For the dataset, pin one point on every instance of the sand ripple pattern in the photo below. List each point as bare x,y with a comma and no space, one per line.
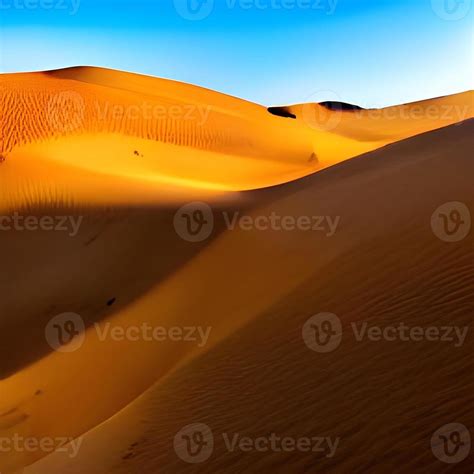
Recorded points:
66,107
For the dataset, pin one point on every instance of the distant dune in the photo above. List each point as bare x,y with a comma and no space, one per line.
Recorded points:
123,153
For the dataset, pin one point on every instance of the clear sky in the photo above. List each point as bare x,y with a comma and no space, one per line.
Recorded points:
368,52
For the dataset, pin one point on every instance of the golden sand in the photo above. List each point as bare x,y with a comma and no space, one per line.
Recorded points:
123,152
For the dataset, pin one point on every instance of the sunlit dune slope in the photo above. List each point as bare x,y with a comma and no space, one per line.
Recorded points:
383,265
87,128
98,136
390,123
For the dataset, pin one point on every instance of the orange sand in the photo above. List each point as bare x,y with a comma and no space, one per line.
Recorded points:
124,151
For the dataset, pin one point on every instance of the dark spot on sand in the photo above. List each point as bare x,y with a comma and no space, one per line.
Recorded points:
92,239
111,301
340,106
38,392
2,158
281,112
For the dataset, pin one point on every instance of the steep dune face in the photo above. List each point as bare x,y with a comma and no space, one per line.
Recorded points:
383,399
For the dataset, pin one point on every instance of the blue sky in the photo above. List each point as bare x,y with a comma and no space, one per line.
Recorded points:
369,52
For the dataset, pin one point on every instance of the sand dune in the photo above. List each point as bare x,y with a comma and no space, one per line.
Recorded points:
384,266
388,124
118,152
97,136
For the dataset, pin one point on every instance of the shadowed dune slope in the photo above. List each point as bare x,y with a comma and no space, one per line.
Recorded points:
384,266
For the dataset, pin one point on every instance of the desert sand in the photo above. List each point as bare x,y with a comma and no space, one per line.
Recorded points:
126,175
96,136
